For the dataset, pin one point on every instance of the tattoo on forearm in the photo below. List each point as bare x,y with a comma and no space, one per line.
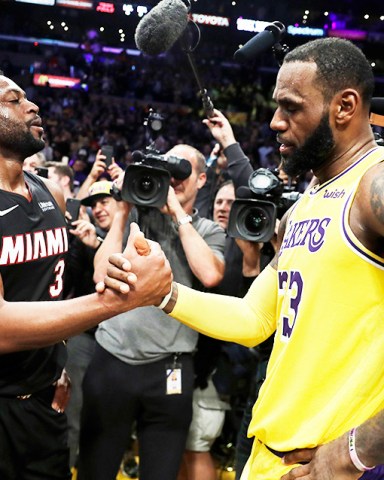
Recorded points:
370,443
377,203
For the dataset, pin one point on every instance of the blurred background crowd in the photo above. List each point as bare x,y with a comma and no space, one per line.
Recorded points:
117,89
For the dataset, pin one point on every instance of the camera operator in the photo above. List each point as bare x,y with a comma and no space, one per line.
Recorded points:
141,372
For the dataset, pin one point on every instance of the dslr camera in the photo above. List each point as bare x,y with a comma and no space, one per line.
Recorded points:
146,180
254,212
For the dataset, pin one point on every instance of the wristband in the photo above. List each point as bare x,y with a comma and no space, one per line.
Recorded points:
166,299
353,454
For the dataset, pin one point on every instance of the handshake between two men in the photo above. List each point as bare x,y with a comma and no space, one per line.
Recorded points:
142,270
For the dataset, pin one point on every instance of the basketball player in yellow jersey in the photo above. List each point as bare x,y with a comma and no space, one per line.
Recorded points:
323,294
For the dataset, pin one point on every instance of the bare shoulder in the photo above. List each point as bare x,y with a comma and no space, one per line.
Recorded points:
370,193
367,213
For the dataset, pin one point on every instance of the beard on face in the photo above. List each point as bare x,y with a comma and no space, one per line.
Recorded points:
17,139
313,153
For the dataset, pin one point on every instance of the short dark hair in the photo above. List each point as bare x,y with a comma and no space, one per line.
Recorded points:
62,171
340,64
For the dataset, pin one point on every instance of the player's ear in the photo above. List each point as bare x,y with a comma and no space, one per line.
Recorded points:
345,106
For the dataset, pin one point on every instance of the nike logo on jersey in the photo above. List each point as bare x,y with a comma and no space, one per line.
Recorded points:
8,210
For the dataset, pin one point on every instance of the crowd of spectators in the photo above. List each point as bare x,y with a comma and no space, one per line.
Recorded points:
78,121
118,91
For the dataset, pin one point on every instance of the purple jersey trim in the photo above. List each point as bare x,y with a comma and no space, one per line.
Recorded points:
366,255
375,474
314,192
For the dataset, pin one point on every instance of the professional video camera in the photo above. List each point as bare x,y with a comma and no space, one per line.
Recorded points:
254,212
146,180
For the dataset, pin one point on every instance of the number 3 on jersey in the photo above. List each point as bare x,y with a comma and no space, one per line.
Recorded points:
291,286
57,287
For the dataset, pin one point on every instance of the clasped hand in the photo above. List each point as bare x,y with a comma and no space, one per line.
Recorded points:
146,277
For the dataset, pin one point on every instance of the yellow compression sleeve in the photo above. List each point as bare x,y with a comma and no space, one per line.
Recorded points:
248,321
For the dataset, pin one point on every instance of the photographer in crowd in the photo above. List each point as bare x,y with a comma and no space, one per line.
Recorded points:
142,369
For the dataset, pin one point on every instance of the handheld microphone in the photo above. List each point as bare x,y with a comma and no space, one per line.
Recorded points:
162,26
377,105
261,42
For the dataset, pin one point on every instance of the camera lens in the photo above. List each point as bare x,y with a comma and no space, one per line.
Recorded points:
145,187
254,221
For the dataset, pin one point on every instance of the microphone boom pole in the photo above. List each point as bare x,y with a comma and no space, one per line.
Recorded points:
185,43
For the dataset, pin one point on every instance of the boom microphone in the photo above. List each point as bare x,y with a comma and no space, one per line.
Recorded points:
261,42
377,105
162,26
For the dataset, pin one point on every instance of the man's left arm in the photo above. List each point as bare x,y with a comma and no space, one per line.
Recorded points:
338,460
204,263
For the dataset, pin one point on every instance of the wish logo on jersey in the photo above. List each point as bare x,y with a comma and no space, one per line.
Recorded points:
334,193
33,246
306,233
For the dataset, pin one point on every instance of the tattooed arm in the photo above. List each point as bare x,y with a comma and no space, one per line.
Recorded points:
333,461
367,211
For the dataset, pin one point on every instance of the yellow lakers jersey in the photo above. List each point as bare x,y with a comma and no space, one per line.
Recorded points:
326,372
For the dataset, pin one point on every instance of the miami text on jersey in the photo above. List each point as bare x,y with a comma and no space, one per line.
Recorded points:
309,233
27,247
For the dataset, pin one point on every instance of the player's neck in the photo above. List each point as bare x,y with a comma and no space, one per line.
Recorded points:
12,178
342,160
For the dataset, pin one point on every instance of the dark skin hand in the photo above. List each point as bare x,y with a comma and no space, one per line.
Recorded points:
327,462
62,393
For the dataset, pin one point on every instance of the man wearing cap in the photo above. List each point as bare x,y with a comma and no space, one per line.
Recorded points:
88,238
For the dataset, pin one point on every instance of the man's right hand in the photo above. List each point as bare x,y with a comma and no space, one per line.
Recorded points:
145,278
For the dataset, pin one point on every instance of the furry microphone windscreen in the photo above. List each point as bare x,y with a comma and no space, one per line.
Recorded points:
159,29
